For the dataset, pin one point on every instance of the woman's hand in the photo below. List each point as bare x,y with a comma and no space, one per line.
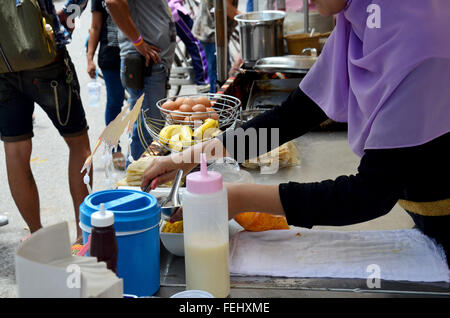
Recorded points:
92,69
163,169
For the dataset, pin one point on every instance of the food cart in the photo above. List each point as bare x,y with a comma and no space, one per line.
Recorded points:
260,86
247,85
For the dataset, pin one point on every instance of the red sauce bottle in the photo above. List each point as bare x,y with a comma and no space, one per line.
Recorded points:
103,238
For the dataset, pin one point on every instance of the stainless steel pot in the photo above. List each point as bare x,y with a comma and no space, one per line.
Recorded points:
261,34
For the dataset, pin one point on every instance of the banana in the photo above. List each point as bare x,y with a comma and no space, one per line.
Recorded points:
176,136
186,135
207,127
167,132
216,132
175,142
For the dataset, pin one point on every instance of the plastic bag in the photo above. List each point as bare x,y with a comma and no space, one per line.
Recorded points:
230,171
284,156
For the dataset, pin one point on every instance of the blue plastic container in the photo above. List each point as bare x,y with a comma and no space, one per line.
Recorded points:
136,220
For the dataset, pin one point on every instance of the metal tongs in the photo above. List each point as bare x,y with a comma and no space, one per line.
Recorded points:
171,203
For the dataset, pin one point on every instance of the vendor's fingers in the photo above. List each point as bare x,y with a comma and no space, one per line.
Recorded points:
154,182
166,177
178,216
155,169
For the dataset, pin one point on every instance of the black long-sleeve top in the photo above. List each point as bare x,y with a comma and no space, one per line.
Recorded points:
385,176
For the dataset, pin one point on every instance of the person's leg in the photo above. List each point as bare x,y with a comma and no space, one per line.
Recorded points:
21,182
155,89
210,50
134,95
79,150
194,48
62,103
115,95
16,131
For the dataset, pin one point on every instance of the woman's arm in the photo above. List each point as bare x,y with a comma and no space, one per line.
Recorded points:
253,198
295,117
369,194
94,37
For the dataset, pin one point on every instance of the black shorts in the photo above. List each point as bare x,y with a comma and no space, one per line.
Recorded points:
54,87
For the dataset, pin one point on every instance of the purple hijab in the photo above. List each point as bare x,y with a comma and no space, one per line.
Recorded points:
387,76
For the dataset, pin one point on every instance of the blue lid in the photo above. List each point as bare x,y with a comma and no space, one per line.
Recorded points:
133,210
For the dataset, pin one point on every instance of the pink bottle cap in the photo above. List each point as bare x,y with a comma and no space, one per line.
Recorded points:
205,181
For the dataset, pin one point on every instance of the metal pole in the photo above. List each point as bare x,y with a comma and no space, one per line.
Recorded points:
306,15
220,10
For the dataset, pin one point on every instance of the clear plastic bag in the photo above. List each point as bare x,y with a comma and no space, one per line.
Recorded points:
284,156
230,171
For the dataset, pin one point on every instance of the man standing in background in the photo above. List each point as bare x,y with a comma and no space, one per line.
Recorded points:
147,30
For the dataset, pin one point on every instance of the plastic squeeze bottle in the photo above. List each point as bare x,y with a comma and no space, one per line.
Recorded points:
103,238
206,238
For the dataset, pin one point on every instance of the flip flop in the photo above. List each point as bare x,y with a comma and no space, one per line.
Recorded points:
119,161
77,245
23,239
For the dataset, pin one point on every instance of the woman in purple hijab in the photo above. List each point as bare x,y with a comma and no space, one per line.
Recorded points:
385,70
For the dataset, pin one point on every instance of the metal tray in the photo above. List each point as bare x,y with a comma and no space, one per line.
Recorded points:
266,94
288,64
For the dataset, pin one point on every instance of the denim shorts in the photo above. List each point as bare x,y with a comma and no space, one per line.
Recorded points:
54,88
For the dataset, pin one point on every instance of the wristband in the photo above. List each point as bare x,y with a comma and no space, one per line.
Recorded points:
139,41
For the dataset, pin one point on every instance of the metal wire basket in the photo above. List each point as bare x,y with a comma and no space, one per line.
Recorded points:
226,111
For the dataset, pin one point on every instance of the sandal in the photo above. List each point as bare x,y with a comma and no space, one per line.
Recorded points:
23,239
77,245
119,161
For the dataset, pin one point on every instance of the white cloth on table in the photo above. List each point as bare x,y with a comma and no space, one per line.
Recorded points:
406,255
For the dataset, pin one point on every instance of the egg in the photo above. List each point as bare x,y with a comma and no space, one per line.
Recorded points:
177,116
203,100
179,101
212,113
199,115
189,101
199,108
185,108
170,105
